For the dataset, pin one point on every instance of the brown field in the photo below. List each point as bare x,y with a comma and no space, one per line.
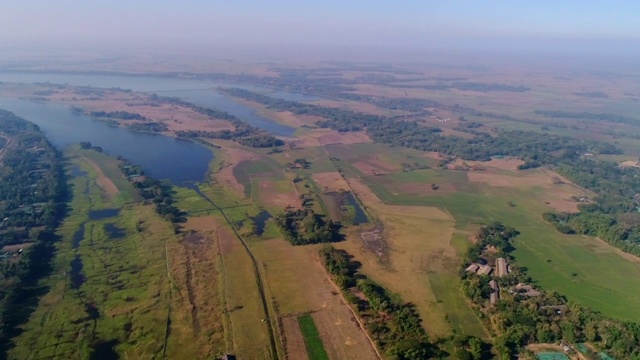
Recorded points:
273,195
330,181
558,191
418,238
294,344
233,155
299,284
282,117
175,117
103,181
320,137
195,268
372,165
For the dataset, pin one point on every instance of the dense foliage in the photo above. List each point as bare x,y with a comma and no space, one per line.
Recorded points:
33,191
303,226
517,320
395,325
121,115
154,191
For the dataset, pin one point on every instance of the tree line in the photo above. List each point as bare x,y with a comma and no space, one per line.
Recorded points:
33,195
394,325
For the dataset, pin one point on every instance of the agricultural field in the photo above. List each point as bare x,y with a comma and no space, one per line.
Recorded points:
584,269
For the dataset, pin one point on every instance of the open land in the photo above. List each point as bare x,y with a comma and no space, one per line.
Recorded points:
227,289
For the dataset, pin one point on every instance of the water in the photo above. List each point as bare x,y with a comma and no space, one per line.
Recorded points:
78,236
213,99
260,220
77,277
161,157
197,91
103,214
360,217
114,232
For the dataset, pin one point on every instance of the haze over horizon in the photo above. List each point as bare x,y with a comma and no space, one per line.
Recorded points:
411,24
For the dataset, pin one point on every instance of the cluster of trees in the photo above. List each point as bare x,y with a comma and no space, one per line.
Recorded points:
518,320
303,226
613,215
155,191
152,127
32,172
395,326
120,115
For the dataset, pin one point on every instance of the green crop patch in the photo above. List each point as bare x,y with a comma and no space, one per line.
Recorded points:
312,340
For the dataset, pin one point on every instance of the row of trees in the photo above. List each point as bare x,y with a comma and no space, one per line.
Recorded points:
395,325
120,115
33,193
518,320
154,191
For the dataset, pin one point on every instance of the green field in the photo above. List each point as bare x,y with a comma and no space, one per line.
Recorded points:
581,268
312,340
125,292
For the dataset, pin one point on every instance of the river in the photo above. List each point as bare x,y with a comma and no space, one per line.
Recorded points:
162,157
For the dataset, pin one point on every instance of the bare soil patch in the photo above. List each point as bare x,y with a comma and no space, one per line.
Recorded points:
320,137
233,156
294,342
331,181
271,194
499,180
109,188
226,240
174,116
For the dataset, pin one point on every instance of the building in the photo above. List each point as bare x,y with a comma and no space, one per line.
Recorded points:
484,270
527,290
501,267
495,292
472,268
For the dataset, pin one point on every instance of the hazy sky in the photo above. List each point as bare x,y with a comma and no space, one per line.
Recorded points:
409,23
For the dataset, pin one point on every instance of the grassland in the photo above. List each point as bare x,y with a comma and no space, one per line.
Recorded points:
128,296
312,340
584,269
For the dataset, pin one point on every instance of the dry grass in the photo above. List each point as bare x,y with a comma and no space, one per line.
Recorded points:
320,137
558,192
279,194
174,116
250,336
104,182
330,181
299,284
418,238
232,155
294,347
